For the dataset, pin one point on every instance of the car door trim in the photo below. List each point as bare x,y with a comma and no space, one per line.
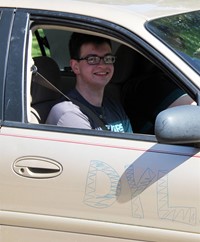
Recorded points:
90,227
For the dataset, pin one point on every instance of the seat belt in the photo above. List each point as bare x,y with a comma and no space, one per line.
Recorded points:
41,80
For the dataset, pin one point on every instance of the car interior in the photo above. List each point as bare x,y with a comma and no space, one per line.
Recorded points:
138,83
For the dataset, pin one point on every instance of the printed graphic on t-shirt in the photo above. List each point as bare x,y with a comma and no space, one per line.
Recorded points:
115,127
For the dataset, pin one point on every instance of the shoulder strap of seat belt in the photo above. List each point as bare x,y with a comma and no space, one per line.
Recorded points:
41,80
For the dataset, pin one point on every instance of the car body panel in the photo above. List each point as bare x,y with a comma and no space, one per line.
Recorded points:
145,8
10,233
136,176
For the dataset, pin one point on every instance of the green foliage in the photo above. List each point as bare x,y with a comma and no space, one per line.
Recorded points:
36,50
181,32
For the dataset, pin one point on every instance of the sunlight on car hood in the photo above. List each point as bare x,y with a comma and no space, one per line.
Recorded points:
150,8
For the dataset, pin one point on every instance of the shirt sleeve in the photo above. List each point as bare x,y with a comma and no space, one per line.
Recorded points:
67,114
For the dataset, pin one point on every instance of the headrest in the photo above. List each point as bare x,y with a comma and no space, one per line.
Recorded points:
124,64
48,68
130,64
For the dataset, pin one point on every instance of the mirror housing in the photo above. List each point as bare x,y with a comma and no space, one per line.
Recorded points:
178,125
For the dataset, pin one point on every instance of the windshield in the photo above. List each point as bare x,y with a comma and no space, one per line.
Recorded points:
182,34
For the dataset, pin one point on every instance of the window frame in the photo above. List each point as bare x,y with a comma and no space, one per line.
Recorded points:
6,20
15,95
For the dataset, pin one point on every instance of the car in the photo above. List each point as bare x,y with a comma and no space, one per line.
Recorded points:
70,184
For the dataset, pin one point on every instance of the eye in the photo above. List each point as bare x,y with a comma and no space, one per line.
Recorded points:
93,59
109,59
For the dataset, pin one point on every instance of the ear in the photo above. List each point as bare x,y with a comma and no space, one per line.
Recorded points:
75,66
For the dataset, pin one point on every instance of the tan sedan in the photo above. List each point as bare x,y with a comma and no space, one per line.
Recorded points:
61,184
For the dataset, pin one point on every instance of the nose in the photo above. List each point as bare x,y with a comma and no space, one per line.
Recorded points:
101,62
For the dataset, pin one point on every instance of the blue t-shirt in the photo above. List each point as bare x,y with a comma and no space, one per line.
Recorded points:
111,113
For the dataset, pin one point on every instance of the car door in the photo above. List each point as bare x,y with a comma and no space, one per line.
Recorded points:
62,184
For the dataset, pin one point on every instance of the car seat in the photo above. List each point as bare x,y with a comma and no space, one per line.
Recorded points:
123,70
143,89
43,98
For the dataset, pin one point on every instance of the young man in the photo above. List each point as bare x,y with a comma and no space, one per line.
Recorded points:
92,62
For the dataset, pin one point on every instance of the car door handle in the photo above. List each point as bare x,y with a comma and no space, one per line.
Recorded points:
37,167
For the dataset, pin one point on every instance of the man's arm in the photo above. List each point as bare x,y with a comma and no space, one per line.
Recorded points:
67,114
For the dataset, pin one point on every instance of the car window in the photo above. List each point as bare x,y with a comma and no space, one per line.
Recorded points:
39,44
134,83
181,33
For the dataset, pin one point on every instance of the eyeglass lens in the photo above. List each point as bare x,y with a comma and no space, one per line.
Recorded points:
93,60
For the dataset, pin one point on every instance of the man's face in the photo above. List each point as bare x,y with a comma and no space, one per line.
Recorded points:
98,75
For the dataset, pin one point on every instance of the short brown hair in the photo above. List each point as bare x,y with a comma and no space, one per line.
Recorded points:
78,39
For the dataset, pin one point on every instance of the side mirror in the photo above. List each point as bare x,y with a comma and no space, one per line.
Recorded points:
178,125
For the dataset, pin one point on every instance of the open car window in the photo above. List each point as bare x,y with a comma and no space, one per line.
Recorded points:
140,85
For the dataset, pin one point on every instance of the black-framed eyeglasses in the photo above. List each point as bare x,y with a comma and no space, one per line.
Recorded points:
95,59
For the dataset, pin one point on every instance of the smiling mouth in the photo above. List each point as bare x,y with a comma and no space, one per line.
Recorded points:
101,73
